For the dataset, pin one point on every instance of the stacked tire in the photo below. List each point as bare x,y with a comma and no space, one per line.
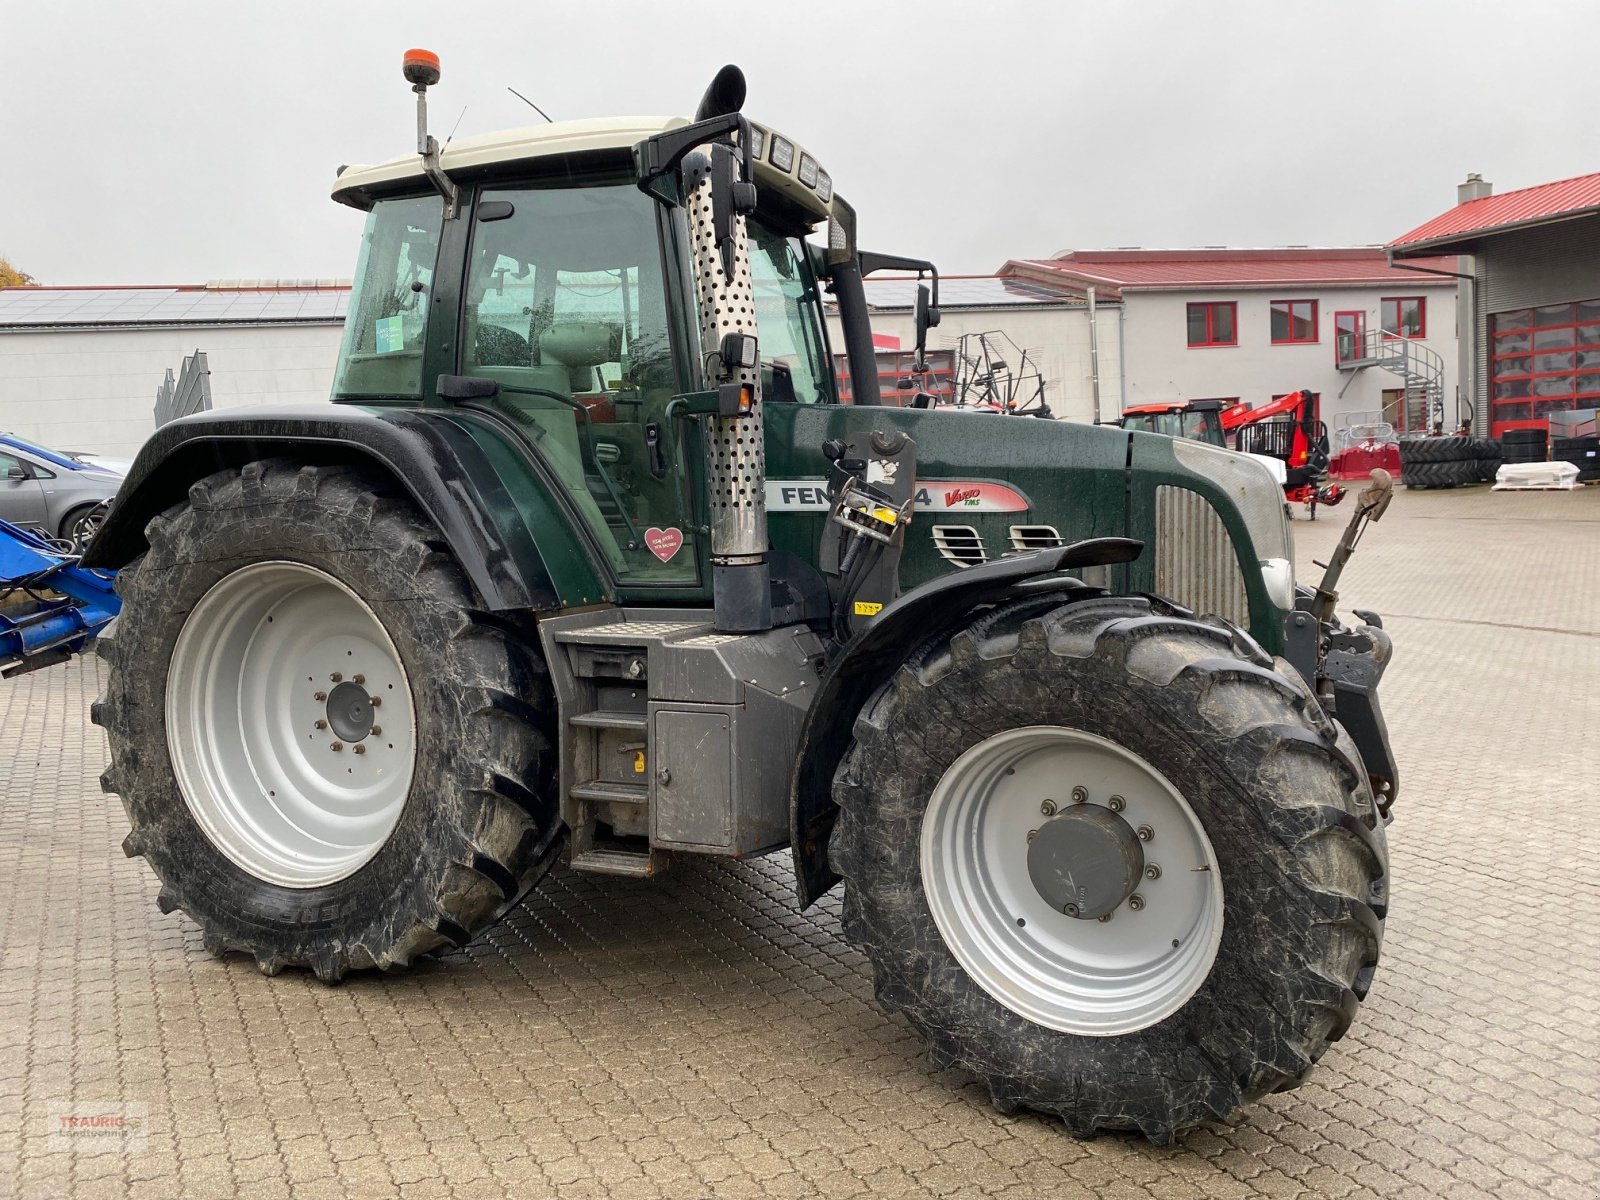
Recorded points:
1442,462
1524,445
1581,452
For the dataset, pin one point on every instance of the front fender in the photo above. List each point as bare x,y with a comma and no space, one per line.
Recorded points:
443,470
937,607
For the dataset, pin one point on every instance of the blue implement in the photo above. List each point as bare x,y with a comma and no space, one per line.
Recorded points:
49,606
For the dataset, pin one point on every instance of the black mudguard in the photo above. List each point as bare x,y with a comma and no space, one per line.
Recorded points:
438,465
935,608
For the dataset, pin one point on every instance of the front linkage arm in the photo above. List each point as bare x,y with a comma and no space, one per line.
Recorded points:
1345,664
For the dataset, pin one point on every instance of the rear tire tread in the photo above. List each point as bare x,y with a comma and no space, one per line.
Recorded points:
515,832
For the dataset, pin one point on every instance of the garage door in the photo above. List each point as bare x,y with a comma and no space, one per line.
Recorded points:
1543,360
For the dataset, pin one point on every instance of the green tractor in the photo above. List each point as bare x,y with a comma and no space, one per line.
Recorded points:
586,565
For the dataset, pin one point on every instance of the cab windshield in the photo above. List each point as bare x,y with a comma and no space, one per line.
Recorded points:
789,317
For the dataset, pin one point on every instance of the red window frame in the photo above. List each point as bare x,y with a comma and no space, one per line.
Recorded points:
1288,307
1397,301
1357,333
1210,307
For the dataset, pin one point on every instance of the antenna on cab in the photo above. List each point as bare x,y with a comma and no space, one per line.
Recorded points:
422,72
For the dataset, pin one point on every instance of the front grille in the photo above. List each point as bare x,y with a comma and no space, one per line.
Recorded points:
1196,564
961,544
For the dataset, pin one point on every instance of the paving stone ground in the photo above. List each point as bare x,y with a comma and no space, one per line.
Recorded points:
700,1037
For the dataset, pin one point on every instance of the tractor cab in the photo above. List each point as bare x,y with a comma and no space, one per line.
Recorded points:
1198,420
563,290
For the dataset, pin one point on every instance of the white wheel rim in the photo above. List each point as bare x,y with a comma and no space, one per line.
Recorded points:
263,781
1099,978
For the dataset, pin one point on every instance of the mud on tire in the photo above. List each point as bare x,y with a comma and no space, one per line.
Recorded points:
479,825
1277,786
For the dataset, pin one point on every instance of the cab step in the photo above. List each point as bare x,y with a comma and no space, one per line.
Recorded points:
607,792
625,863
612,719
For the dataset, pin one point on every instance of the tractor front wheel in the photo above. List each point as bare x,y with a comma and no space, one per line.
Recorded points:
1113,861
328,755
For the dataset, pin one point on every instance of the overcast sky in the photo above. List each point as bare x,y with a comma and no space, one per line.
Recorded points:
150,141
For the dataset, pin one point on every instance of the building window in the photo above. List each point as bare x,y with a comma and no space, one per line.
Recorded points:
1543,360
1294,322
1405,315
1214,324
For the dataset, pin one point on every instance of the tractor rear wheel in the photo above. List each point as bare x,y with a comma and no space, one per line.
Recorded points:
329,756
1113,861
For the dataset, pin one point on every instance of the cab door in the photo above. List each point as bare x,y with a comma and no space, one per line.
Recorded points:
565,308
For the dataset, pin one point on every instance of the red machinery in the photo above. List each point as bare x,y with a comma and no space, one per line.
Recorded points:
1301,442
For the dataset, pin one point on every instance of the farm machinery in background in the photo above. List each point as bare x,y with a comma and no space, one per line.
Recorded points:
1285,432
1287,429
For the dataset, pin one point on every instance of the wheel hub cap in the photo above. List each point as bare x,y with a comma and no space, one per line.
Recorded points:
1085,862
350,712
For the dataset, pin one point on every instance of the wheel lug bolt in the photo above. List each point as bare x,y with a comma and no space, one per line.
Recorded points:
1048,808
1070,910
1079,795
1118,804
1153,871
322,724
1032,833
378,729
1105,918
336,677
1145,833
320,696
377,701
336,746
1135,901
358,679
361,749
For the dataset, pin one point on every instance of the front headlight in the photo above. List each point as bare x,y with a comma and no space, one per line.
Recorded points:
1259,499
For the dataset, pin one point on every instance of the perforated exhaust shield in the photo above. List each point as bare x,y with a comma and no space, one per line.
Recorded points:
736,471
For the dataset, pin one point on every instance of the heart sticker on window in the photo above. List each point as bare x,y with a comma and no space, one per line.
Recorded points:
663,543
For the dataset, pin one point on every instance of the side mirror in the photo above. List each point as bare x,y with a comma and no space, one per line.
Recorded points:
16,474
927,317
732,194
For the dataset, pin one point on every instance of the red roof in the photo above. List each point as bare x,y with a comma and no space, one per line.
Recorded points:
1217,269
1564,199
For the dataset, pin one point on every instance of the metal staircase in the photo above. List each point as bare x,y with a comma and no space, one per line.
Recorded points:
1421,368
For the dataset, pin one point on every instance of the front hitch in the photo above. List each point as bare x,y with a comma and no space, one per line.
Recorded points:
1344,664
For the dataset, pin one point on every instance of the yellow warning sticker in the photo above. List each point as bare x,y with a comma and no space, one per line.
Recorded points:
638,762
868,608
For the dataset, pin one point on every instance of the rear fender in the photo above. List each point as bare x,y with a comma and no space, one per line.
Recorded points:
442,469
932,610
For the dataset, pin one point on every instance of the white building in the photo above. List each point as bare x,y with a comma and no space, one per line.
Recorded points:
1255,324
79,366
1048,320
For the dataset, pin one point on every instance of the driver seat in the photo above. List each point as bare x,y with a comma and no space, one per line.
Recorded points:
580,347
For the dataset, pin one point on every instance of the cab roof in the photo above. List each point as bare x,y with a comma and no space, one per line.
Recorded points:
356,184
810,192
